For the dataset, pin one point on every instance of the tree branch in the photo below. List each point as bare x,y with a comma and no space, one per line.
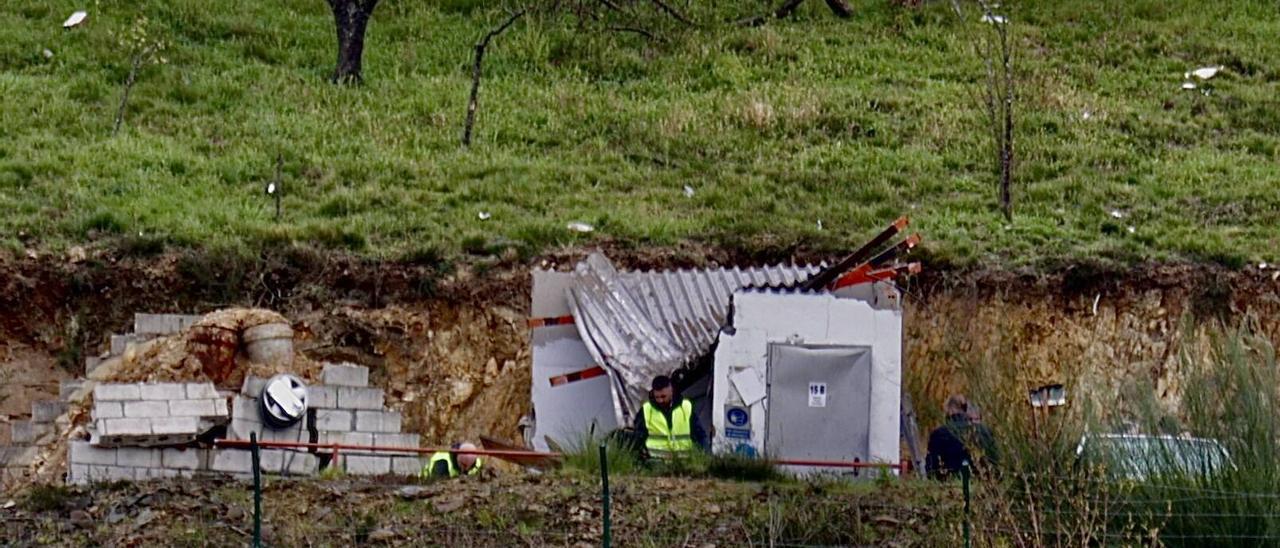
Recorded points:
473,103
673,13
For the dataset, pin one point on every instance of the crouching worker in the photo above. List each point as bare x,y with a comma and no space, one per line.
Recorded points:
667,423
451,464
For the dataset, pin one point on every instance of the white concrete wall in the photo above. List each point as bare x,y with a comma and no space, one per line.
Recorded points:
761,318
565,413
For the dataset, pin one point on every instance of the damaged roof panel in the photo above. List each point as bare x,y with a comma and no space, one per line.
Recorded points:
646,323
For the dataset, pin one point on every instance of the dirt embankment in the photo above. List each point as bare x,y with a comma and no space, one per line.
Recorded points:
451,348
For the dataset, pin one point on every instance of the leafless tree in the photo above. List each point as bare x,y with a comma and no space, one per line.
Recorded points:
998,98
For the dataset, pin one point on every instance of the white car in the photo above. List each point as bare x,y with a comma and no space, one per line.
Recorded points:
1140,456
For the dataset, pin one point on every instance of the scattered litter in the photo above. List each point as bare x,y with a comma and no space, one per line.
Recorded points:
1117,214
819,224
1086,115
580,227
48,54
994,19
9,504
1206,92
75,19
1203,73
271,188
1188,85
688,191
1095,304
484,215
1262,266
1275,276
1131,229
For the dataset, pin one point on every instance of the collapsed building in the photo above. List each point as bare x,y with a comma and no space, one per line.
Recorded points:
799,363
155,406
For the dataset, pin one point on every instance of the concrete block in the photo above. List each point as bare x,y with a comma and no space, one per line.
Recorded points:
116,392
201,391
280,461
47,411
232,461
184,459
69,387
158,473
120,343
138,457
304,464
253,386
80,452
78,474
322,397
334,420
346,438
345,374
397,440
191,408
111,473
163,391
407,466
270,460
359,398
292,433
18,456
91,363
175,425
162,324
108,410
246,408
378,421
146,409
239,429
31,433
124,427
361,465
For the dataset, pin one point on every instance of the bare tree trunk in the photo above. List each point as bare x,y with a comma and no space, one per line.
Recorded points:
474,102
351,17
1006,149
128,86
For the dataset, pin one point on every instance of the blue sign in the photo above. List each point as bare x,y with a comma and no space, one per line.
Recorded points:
737,433
745,450
737,416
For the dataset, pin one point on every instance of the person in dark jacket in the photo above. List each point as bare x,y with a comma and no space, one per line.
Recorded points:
667,424
959,440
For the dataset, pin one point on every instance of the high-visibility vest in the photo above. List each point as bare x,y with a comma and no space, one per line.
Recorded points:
665,439
453,465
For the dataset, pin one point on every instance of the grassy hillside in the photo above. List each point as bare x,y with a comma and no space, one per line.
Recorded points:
808,120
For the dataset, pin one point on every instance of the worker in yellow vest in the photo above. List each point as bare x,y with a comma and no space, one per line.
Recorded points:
451,464
667,423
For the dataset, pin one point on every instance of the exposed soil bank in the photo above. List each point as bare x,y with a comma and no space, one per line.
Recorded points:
450,345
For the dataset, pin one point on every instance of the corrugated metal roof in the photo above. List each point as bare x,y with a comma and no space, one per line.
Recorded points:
642,324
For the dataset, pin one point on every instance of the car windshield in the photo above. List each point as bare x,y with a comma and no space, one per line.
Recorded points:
1140,457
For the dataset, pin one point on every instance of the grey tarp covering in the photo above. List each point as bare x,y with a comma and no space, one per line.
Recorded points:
641,324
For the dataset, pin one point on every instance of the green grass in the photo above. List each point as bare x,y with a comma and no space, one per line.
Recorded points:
850,123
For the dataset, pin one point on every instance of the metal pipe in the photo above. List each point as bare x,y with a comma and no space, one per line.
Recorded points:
335,447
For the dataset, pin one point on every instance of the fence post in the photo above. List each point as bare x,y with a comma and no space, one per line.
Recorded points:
257,490
964,476
607,537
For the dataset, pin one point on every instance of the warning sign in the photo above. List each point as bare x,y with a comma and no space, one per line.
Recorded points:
817,394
